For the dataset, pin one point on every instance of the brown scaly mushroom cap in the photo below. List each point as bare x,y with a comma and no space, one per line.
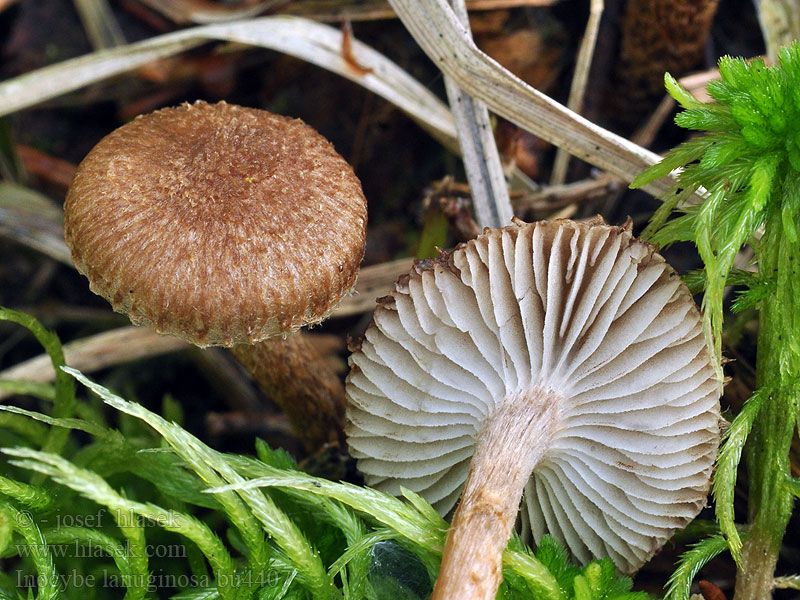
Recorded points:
570,360
214,222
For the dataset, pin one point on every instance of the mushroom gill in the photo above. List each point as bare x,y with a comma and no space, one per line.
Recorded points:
569,360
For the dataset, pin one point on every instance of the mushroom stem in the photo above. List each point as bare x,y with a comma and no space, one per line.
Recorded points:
508,449
294,374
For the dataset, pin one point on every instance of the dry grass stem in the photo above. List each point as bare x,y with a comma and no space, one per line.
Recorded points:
696,83
478,149
225,375
99,23
201,11
96,352
780,24
556,197
436,28
185,12
579,82
31,219
373,282
313,42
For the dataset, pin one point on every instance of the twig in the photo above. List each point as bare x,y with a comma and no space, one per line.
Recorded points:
696,83
644,136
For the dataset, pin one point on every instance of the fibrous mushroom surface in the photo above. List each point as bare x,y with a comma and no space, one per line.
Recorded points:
214,223
584,324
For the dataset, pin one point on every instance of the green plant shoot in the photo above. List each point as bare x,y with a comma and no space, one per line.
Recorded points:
746,164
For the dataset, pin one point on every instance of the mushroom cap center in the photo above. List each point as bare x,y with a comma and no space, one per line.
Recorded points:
217,223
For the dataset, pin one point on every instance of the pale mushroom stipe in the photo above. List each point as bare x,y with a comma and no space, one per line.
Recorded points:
225,225
559,363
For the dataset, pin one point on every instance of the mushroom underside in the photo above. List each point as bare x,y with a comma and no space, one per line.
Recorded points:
588,316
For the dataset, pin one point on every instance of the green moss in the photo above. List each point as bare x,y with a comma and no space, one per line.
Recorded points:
746,164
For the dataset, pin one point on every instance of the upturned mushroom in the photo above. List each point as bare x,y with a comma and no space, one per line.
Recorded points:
558,361
227,226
